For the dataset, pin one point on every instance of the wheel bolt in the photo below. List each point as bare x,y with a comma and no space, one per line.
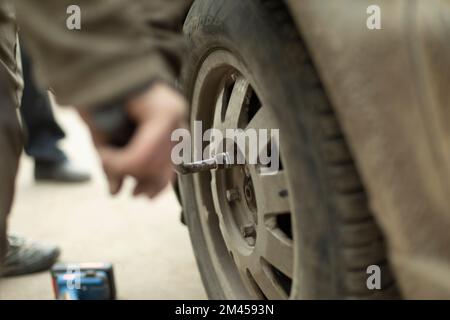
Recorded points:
250,241
249,231
233,195
283,193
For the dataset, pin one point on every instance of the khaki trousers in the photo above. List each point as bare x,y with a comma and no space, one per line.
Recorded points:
11,138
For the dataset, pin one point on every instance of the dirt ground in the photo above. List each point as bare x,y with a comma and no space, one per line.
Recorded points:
149,247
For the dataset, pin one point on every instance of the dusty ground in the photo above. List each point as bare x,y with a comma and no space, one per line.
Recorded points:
145,241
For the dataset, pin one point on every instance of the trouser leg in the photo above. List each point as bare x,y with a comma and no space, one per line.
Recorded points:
43,132
10,128
10,149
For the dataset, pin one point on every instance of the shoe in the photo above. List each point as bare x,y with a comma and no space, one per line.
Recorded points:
25,257
59,172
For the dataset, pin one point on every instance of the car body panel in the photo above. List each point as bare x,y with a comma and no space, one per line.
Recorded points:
390,89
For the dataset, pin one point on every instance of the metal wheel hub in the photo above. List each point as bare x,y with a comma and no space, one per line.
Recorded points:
242,208
247,215
250,196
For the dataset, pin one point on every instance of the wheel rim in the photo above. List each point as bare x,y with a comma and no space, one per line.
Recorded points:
245,215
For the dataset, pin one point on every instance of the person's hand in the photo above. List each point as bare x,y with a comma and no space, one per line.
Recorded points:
147,157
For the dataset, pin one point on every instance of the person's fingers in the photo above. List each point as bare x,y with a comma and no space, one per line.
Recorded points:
150,187
139,188
157,188
115,181
115,184
98,138
148,149
153,186
147,156
168,179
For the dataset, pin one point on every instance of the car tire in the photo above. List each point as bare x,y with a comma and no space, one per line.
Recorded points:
334,236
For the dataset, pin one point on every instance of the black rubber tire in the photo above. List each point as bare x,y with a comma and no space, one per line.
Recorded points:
336,233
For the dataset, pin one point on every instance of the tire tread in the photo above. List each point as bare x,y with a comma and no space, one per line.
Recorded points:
359,235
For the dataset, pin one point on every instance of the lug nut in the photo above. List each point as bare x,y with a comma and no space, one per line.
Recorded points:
233,195
250,241
283,193
271,223
249,231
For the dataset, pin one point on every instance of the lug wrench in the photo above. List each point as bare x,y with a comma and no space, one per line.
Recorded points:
218,162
